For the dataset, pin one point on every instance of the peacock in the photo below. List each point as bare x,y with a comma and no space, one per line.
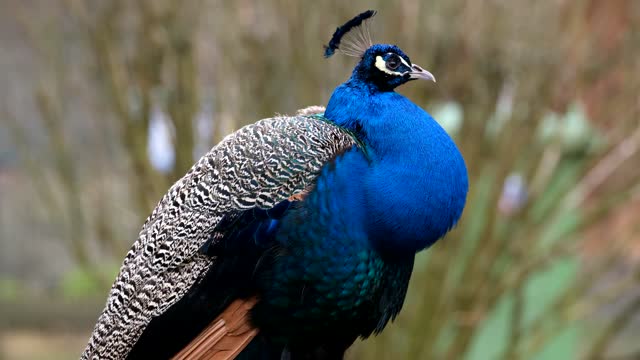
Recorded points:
302,230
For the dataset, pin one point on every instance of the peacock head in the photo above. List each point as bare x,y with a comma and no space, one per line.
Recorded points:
382,66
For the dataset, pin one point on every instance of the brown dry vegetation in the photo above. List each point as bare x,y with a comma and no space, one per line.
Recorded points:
85,77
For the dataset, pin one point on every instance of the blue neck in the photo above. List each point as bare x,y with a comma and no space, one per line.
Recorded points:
416,175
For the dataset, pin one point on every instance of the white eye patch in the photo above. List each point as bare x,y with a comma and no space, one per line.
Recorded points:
382,65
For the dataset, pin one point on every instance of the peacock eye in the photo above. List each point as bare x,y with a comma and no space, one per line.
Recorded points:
393,63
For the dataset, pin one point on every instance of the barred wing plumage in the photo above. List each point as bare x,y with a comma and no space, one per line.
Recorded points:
259,165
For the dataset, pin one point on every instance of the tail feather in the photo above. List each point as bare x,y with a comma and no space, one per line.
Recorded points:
225,337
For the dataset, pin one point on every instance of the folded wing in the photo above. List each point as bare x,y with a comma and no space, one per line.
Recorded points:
258,166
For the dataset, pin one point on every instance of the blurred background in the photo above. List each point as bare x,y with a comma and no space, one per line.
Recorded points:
105,103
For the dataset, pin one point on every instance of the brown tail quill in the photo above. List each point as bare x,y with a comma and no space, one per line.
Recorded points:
225,337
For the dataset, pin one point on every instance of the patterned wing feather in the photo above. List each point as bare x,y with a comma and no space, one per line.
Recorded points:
260,165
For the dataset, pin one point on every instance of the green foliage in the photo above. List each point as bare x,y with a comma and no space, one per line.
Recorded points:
10,289
82,284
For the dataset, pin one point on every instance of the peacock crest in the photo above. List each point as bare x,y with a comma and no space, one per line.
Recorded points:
353,38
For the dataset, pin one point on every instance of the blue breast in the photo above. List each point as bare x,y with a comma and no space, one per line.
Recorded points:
346,253
416,184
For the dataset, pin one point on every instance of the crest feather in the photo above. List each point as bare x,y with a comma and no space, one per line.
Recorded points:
353,38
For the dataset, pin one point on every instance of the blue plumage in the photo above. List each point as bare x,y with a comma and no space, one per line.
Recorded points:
350,245
420,176
382,181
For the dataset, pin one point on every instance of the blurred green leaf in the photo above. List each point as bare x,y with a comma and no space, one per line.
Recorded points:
10,289
80,284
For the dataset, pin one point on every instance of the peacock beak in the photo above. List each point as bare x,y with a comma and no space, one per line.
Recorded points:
419,73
